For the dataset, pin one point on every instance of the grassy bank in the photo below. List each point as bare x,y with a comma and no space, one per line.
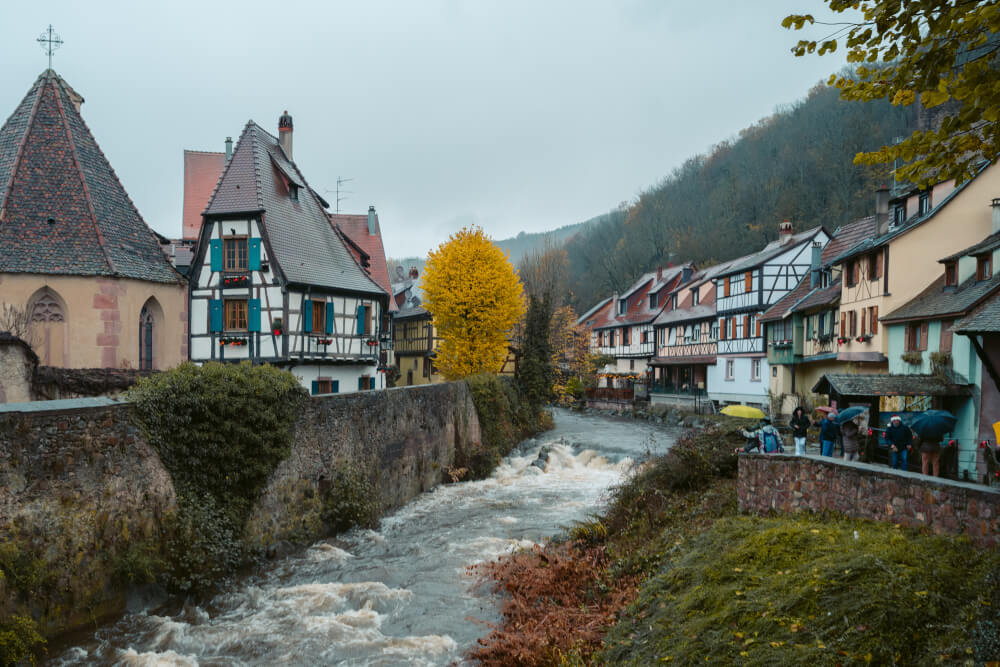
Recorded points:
671,573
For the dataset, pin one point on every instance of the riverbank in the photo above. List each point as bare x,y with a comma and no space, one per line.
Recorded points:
671,572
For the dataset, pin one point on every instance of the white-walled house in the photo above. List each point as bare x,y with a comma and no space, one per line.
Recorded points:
273,280
748,287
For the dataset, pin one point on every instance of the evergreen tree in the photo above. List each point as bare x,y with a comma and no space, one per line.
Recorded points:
534,372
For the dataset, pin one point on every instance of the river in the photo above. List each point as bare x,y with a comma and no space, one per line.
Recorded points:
400,595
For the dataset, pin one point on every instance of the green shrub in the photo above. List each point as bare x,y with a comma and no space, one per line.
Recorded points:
349,501
20,641
220,430
574,387
23,571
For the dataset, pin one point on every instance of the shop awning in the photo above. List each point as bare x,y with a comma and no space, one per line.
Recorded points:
707,360
848,384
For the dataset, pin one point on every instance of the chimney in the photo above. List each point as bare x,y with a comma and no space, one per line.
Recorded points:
882,210
996,215
785,232
817,254
414,273
659,273
229,148
614,305
285,134
372,231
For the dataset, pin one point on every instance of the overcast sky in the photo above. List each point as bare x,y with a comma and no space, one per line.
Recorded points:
510,114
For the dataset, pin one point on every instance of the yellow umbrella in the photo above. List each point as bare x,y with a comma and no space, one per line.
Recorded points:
742,411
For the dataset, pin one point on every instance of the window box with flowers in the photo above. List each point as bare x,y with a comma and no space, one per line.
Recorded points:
864,338
913,357
823,338
841,340
277,326
781,344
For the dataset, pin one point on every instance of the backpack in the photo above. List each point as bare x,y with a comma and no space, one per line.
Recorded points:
771,443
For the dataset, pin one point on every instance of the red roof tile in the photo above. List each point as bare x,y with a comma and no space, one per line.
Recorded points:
201,174
355,227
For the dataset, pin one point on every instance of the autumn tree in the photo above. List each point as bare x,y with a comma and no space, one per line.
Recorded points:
474,296
570,342
940,52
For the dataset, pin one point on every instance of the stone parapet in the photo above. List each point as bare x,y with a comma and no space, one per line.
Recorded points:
784,483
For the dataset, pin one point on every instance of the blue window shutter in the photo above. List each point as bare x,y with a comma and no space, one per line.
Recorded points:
361,383
215,248
371,383
315,387
253,314
329,318
253,261
361,320
215,315
307,316
335,387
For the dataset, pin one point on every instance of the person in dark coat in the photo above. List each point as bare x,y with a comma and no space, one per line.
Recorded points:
930,456
829,431
900,440
800,426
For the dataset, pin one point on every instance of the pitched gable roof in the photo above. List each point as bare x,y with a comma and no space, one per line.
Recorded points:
63,210
307,248
937,301
770,251
355,227
201,173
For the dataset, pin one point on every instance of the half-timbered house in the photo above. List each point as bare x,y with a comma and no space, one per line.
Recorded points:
748,287
275,282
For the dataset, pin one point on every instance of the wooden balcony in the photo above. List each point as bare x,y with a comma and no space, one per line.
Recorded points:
415,345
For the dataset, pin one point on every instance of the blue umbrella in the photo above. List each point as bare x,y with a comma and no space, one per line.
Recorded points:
933,424
848,414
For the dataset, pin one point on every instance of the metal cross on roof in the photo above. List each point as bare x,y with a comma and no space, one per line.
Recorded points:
49,41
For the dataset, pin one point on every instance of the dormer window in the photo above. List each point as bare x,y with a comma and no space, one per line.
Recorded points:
622,306
235,251
984,267
694,297
950,274
925,202
899,214
293,192
673,302
652,301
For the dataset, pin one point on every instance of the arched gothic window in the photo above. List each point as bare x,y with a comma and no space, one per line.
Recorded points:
48,323
145,339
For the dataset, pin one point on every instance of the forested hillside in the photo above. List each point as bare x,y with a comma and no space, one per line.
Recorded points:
796,164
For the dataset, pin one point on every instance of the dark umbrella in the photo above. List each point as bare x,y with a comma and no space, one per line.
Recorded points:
850,413
933,424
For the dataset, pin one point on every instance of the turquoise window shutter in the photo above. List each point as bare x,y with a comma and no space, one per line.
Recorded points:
307,316
329,318
215,315
253,314
315,387
361,320
215,251
362,382
253,261
335,387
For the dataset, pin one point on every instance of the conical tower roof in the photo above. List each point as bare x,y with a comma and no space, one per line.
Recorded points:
63,210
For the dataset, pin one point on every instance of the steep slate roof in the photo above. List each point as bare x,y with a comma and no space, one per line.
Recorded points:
873,242
991,242
305,244
593,311
770,251
984,320
201,173
638,311
63,210
804,296
937,302
690,313
854,384
355,227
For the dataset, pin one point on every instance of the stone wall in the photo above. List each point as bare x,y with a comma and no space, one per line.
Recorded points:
80,491
17,368
783,483
83,496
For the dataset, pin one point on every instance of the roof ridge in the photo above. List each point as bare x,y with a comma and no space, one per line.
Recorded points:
256,163
8,186
188,150
83,180
225,169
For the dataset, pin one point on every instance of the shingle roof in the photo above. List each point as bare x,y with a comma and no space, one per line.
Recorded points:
307,248
783,307
828,296
986,319
62,208
770,251
201,174
639,311
853,384
991,242
356,229
593,311
936,301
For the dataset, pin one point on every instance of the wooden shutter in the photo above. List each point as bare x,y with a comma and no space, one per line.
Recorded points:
307,316
875,319
758,324
879,264
361,320
843,325
725,286
748,282
946,335
329,318
854,323
864,321
363,382
253,260
746,326
923,335
722,328
215,253
253,314
215,315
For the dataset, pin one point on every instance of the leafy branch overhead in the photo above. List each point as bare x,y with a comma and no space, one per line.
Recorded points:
942,53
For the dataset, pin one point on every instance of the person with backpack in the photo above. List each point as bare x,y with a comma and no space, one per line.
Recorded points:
829,431
765,439
800,426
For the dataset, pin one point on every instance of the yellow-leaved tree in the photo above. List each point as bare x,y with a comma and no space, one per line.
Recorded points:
475,297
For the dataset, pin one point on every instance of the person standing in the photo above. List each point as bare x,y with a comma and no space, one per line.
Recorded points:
828,432
900,440
849,432
930,456
800,426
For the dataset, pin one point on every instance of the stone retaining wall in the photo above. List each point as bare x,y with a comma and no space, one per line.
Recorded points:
784,483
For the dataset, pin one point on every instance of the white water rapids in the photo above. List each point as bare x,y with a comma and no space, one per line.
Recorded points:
397,596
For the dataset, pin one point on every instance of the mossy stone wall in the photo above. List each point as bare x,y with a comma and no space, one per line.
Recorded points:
783,483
